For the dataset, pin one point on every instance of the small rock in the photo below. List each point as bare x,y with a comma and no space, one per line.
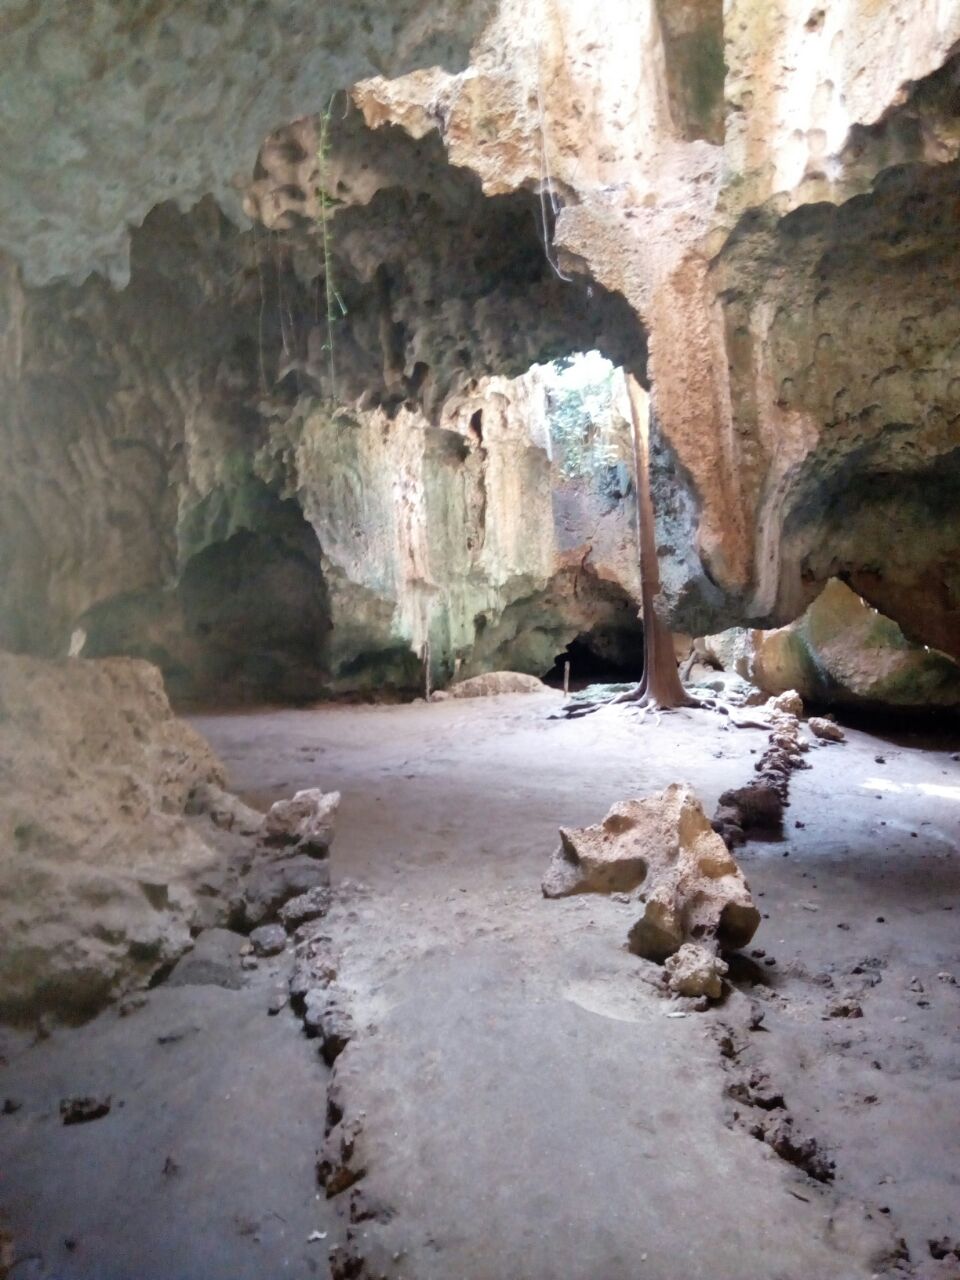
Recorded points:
845,1006
947,977
273,883
81,1110
10,1106
214,961
278,1001
306,821
130,1005
825,729
694,970
757,1015
249,963
269,940
788,702
305,907
323,1017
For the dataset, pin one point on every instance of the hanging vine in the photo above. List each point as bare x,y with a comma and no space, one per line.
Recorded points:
335,306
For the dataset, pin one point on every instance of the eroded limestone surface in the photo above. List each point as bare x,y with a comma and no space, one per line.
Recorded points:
840,651
692,888
101,873
109,111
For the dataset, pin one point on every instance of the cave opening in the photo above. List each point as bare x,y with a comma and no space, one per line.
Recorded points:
591,663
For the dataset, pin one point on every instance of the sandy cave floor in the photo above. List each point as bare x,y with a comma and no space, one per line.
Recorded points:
529,1109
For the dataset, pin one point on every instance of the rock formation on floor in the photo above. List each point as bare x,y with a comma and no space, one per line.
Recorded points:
118,842
756,808
492,683
692,888
103,875
840,652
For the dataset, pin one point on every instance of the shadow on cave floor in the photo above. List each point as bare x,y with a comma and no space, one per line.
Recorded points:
924,728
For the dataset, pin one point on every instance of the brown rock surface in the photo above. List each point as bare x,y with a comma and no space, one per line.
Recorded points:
693,888
786,231
494,682
100,871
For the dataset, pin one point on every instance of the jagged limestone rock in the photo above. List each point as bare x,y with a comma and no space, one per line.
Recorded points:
693,888
100,869
494,682
695,970
306,822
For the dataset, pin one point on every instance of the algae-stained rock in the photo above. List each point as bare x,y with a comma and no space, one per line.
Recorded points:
840,652
694,888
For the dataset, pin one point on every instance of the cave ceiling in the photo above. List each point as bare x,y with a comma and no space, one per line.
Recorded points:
753,211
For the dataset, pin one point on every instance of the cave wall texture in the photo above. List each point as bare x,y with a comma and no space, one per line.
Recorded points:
296,450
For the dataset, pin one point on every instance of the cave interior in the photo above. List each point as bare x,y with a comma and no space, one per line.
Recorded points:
480,640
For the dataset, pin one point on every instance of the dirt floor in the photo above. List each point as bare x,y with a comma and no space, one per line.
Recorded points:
526,1103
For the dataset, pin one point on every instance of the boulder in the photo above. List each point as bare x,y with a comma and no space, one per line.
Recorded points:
840,652
101,864
273,883
214,961
268,939
494,682
826,730
305,821
694,888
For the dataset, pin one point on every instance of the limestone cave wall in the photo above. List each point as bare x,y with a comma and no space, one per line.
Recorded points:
296,449
206,472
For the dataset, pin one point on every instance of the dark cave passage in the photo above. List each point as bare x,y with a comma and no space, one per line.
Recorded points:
594,662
